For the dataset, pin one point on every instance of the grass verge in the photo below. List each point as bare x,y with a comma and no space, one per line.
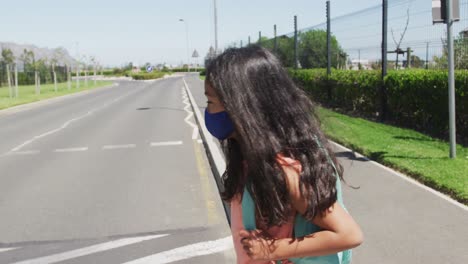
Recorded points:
27,93
415,154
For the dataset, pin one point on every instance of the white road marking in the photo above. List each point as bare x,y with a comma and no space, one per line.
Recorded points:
67,123
6,249
89,250
26,152
71,149
406,178
189,114
186,252
216,153
119,146
167,143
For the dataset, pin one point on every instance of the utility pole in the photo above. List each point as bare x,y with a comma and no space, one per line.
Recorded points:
427,55
10,89
383,92
249,40
359,60
16,81
68,76
55,77
451,79
295,43
408,57
77,67
187,43
260,38
95,73
328,40
216,27
275,48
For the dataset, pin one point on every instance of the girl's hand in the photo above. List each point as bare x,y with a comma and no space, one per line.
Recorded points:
257,245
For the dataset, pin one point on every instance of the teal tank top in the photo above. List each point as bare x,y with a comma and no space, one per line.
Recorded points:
302,227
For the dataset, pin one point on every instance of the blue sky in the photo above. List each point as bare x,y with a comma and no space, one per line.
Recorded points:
139,31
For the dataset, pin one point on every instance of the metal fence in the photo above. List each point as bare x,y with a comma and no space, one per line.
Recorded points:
358,37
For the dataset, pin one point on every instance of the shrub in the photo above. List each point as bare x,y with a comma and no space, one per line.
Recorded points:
416,99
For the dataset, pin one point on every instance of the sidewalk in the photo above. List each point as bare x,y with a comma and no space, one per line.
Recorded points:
402,221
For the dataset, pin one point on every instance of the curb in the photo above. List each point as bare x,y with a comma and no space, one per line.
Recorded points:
215,157
404,177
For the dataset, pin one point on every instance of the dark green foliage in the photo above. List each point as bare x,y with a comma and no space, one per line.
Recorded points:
417,99
313,50
147,76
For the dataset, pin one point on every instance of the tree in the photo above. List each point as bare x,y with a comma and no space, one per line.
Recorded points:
313,50
398,51
267,43
416,62
285,51
7,60
460,47
7,56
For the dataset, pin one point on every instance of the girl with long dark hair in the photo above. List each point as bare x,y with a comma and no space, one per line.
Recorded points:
281,179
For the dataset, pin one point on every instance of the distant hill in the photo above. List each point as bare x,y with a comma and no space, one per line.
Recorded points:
61,54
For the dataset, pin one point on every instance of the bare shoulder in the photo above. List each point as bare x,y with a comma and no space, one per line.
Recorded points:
292,169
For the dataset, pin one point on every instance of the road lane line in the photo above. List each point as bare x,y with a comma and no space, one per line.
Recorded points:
187,252
189,114
119,146
26,152
67,123
6,249
71,149
89,250
167,143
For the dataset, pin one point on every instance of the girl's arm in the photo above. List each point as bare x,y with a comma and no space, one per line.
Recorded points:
340,232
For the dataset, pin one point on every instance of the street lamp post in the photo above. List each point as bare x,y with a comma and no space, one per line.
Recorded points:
186,35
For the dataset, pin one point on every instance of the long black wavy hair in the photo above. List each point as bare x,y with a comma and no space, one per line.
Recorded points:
271,115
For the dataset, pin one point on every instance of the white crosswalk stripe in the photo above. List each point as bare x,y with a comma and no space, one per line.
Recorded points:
89,250
186,252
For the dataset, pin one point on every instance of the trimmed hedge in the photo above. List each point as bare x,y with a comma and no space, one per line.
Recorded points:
199,69
417,99
148,76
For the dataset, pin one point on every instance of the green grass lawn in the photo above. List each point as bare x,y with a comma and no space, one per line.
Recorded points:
27,93
417,155
202,77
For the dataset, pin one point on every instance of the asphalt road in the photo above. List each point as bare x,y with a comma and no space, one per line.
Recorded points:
103,178
115,175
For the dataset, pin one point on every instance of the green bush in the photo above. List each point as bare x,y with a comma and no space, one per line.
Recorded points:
417,99
147,76
199,69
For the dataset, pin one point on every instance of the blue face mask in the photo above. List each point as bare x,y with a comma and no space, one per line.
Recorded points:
219,124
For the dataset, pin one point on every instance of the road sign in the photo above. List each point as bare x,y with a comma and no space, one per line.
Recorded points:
195,54
149,69
439,11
